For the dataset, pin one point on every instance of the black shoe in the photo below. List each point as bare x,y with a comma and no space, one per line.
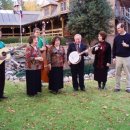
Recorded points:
104,88
82,89
31,95
75,90
39,91
60,91
3,97
117,90
54,92
127,90
99,88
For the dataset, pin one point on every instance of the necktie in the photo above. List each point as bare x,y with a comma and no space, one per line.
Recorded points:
77,47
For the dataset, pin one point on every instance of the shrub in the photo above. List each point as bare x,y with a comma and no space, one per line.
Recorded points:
9,40
49,39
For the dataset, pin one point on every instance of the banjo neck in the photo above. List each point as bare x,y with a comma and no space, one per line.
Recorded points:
85,51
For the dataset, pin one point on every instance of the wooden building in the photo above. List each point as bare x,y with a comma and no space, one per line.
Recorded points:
55,14
122,13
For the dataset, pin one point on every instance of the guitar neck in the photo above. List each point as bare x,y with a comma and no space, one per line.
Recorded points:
7,52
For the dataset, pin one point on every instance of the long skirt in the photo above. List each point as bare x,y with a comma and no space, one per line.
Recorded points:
100,74
56,78
33,82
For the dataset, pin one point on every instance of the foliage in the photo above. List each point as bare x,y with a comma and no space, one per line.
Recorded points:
88,68
89,17
9,40
6,4
90,110
49,39
31,5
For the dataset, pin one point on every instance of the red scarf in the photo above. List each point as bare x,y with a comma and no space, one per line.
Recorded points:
101,54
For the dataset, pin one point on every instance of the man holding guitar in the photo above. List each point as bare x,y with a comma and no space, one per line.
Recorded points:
5,55
2,73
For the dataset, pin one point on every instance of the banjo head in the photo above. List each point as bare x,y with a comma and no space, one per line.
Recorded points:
74,57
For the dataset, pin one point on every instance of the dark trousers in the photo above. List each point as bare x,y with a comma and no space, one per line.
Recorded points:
33,82
2,78
78,76
56,78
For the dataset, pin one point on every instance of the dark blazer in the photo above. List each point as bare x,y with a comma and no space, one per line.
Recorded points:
107,57
72,47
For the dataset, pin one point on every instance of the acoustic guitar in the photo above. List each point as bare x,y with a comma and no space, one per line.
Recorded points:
7,52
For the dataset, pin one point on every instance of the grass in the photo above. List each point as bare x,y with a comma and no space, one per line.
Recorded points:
90,110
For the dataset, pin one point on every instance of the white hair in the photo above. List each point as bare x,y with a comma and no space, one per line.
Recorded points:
77,35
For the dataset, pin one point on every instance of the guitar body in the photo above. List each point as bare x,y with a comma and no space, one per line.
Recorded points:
8,56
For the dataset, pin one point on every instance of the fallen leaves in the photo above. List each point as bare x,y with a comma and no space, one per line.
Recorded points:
10,110
104,107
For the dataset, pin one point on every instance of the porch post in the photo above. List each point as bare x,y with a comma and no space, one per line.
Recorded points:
12,30
52,26
62,24
29,30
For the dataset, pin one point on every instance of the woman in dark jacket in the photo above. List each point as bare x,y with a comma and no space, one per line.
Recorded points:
102,59
56,62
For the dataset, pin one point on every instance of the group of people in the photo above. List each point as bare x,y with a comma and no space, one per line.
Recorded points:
44,63
41,58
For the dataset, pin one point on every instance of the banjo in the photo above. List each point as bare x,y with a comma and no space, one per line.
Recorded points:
75,56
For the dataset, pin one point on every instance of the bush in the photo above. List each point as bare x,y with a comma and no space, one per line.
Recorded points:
25,39
9,40
49,39
88,68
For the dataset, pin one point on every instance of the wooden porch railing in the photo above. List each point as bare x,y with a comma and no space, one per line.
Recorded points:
51,32
10,34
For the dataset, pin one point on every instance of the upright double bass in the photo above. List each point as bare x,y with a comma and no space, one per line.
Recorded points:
45,70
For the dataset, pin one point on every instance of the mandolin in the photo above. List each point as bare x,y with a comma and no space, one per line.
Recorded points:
7,52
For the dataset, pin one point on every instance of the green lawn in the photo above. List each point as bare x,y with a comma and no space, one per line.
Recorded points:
90,110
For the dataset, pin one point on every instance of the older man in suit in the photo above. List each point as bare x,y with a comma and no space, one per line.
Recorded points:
77,70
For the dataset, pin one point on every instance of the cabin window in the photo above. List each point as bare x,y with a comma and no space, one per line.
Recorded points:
63,6
46,11
54,10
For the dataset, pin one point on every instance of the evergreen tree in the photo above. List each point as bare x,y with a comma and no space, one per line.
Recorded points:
88,17
6,4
